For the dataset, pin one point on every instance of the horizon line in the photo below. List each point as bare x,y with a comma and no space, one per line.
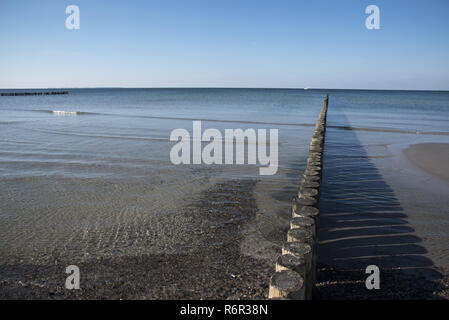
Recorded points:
260,88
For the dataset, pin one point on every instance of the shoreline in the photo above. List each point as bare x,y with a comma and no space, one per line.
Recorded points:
432,158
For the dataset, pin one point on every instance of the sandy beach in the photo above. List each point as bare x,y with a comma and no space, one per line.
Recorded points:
430,157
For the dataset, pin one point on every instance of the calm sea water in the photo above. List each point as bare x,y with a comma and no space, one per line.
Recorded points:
98,180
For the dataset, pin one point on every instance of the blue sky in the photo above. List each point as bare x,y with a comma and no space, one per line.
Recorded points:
226,43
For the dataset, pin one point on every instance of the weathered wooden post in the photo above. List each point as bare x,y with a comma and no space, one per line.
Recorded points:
286,284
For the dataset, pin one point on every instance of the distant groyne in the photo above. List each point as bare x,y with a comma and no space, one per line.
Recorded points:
42,93
296,266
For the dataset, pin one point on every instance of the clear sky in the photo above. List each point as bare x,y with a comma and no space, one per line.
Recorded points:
225,43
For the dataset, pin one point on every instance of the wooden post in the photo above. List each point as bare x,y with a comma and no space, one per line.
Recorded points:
287,284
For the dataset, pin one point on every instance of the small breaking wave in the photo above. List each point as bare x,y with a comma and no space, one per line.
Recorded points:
62,112
65,113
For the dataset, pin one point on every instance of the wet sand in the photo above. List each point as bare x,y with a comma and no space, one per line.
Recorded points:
368,219
430,157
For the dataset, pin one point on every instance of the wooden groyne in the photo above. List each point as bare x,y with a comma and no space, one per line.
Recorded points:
43,93
296,267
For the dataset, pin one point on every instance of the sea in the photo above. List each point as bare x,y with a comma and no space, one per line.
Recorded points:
88,174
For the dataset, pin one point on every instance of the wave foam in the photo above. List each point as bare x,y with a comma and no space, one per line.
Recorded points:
65,113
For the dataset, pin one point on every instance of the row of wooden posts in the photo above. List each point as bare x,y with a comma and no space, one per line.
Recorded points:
295,274
9,94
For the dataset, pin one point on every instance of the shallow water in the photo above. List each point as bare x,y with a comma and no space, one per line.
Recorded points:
95,178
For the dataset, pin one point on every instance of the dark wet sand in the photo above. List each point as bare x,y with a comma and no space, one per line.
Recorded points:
430,157
363,222
349,284
215,270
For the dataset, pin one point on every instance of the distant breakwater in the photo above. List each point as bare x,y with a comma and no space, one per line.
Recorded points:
295,274
43,93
